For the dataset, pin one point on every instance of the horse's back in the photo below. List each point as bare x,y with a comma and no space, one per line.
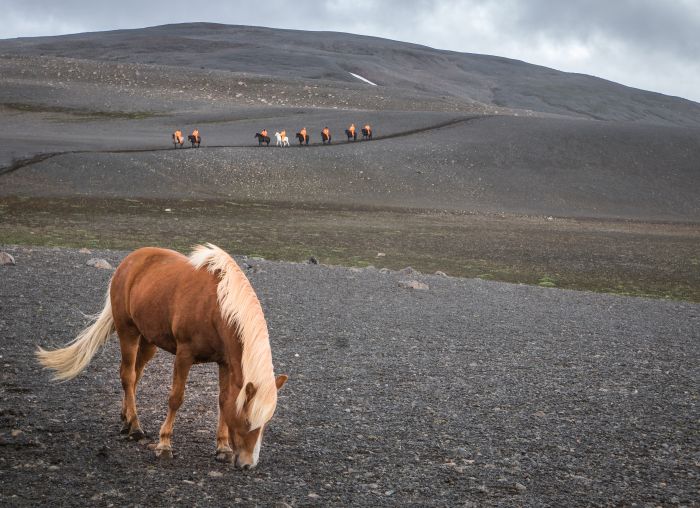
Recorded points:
161,294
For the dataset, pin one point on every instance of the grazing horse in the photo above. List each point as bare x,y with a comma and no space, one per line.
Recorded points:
262,139
351,135
201,308
281,140
302,138
195,140
366,134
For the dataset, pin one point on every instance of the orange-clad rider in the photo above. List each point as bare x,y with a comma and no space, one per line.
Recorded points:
195,135
283,134
177,136
304,134
263,132
368,129
352,129
326,132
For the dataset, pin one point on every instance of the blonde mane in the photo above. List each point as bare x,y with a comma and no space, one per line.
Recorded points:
240,307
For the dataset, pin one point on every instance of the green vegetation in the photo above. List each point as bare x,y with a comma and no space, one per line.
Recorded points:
81,114
607,257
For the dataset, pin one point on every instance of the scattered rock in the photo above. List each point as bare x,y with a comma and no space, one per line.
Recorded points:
6,259
99,263
440,274
312,260
216,474
539,414
85,250
380,254
313,495
384,270
409,271
520,487
413,284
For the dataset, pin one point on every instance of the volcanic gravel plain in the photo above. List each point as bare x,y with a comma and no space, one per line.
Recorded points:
491,385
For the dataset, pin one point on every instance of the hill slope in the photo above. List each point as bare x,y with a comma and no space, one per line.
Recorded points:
461,77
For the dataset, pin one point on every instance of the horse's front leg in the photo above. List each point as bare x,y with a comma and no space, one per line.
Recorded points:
224,452
183,363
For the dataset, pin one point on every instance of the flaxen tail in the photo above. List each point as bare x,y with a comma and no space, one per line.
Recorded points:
69,361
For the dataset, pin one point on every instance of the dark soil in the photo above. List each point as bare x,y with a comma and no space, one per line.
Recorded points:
469,392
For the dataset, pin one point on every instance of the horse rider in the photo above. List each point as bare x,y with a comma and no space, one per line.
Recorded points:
327,133
283,134
177,137
304,134
195,135
352,131
368,129
263,133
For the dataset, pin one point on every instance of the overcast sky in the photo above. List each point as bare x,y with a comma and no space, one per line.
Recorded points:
649,44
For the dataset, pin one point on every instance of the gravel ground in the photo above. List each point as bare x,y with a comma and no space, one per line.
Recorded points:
470,392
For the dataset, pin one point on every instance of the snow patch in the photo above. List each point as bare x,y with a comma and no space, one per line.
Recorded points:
363,79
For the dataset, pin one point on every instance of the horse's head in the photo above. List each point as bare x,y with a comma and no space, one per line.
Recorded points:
246,425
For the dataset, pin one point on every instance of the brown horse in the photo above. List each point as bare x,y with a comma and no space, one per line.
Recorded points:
201,309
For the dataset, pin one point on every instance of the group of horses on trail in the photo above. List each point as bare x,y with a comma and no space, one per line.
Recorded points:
195,138
303,136
281,137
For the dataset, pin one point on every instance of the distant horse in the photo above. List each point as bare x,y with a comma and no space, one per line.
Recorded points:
281,141
195,140
351,135
366,134
178,140
301,138
201,308
262,139
325,138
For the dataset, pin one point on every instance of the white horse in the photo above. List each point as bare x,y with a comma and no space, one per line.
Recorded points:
281,141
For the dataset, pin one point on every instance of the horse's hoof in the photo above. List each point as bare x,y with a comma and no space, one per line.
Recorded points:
164,453
137,435
225,456
126,428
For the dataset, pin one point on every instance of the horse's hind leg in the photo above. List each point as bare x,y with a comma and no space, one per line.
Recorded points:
183,363
146,351
129,340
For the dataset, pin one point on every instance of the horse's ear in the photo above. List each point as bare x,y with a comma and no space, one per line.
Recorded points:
250,391
280,380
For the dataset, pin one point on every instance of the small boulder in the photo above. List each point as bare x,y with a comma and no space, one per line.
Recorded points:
312,260
409,271
6,259
440,274
99,263
413,284
85,250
